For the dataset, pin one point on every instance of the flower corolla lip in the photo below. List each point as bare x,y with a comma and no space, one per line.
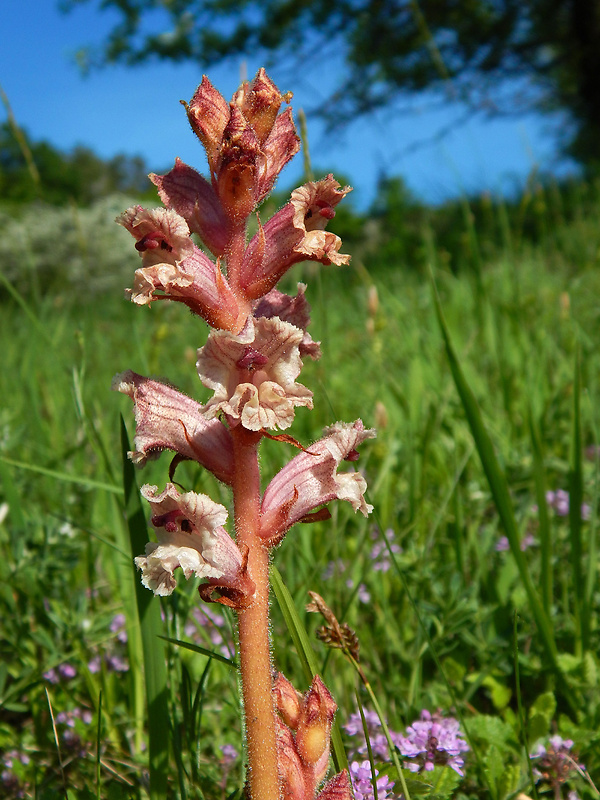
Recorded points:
190,535
253,375
295,233
311,479
167,419
162,235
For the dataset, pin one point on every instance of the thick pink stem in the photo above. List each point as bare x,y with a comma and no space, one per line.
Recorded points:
253,624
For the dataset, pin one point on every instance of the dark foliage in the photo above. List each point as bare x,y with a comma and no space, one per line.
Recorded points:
56,177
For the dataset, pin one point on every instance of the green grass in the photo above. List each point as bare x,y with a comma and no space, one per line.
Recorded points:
476,420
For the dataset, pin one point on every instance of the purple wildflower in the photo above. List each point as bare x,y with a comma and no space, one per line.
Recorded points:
230,754
503,544
361,777
559,501
62,672
94,664
554,763
433,740
362,592
67,671
117,663
377,739
11,784
380,557
117,626
334,568
214,624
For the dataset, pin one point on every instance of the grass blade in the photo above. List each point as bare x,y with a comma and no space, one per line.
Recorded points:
501,495
539,474
575,503
307,656
151,629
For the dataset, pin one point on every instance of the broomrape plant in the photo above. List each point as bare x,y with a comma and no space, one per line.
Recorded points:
251,361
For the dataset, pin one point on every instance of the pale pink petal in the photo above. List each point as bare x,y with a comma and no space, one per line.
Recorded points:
162,235
173,265
253,375
311,479
192,196
190,536
196,281
168,419
296,233
294,310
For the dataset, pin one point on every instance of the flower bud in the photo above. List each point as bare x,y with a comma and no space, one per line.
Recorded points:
287,701
314,727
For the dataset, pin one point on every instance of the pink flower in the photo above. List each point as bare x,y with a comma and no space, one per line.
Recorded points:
296,233
190,533
169,420
173,265
253,375
311,479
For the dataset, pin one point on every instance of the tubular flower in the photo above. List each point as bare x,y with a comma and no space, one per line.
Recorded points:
296,233
311,479
175,266
169,420
190,534
253,375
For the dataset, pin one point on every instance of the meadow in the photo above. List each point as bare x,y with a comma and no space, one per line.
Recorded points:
471,589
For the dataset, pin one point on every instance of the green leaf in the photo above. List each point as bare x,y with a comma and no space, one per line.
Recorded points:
545,705
307,656
414,785
441,782
155,669
196,648
499,693
537,727
501,495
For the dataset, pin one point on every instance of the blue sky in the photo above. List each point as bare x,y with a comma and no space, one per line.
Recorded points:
137,111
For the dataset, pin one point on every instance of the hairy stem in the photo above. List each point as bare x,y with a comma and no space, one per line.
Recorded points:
253,624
